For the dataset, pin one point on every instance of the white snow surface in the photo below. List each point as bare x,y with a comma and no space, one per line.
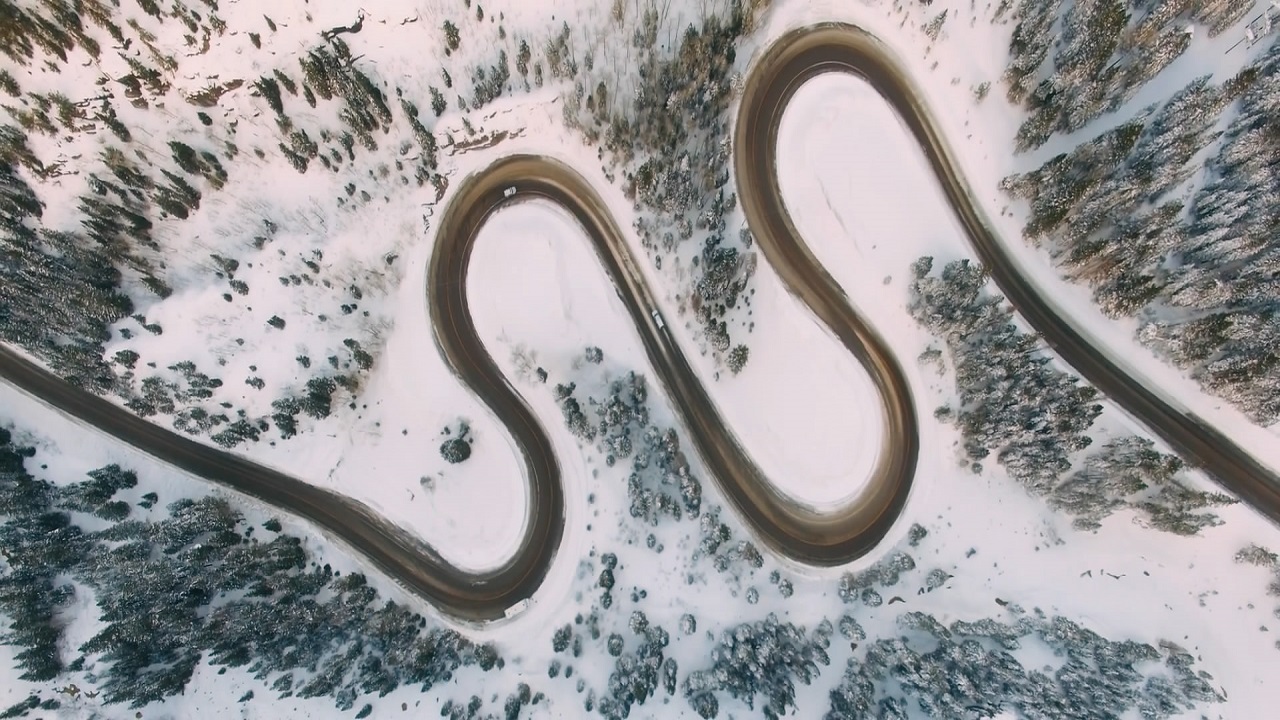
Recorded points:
971,50
803,407
866,203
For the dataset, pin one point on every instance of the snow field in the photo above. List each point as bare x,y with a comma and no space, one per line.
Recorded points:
972,50
883,211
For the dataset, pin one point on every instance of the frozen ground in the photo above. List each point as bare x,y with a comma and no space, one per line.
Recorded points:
799,392
994,540
804,408
972,50
867,205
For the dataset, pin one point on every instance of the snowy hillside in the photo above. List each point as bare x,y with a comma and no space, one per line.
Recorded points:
221,219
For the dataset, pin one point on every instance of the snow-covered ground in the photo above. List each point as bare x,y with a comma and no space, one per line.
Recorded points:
865,201
972,50
801,405
997,542
804,408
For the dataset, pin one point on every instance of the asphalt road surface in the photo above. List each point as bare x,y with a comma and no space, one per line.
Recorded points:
826,538
805,53
822,538
473,597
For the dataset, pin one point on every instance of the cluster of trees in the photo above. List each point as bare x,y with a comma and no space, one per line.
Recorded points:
760,660
118,212
1119,173
866,586
1226,330
24,707
666,125
1010,399
41,546
1012,402
743,552
1130,473
574,418
1200,274
82,274
1106,50
161,397
561,63
452,38
202,163
59,292
661,482
661,470
428,159
969,670
184,399
49,31
886,573
188,396
43,109
329,72
457,446
316,401
637,673
197,585
489,83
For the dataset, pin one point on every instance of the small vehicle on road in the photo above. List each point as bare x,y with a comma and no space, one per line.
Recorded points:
509,192
516,609
657,318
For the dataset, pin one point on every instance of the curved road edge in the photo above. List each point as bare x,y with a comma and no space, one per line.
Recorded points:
397,553
797,532
837,47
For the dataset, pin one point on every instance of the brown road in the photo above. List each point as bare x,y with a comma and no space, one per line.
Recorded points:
467,596
821,538
808,52
827,538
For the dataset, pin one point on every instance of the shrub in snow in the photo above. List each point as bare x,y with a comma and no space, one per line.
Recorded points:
457,448
738,358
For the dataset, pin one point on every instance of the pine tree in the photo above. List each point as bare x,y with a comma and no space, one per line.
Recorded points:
451,37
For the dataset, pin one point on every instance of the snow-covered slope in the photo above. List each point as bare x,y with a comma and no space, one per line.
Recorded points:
865,202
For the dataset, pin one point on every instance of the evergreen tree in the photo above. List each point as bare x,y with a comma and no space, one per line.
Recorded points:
451,36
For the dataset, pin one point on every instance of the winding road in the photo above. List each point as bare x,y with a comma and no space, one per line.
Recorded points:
820,538
803,54
827,538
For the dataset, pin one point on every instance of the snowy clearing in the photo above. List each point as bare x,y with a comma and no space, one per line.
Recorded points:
863,198
972,50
